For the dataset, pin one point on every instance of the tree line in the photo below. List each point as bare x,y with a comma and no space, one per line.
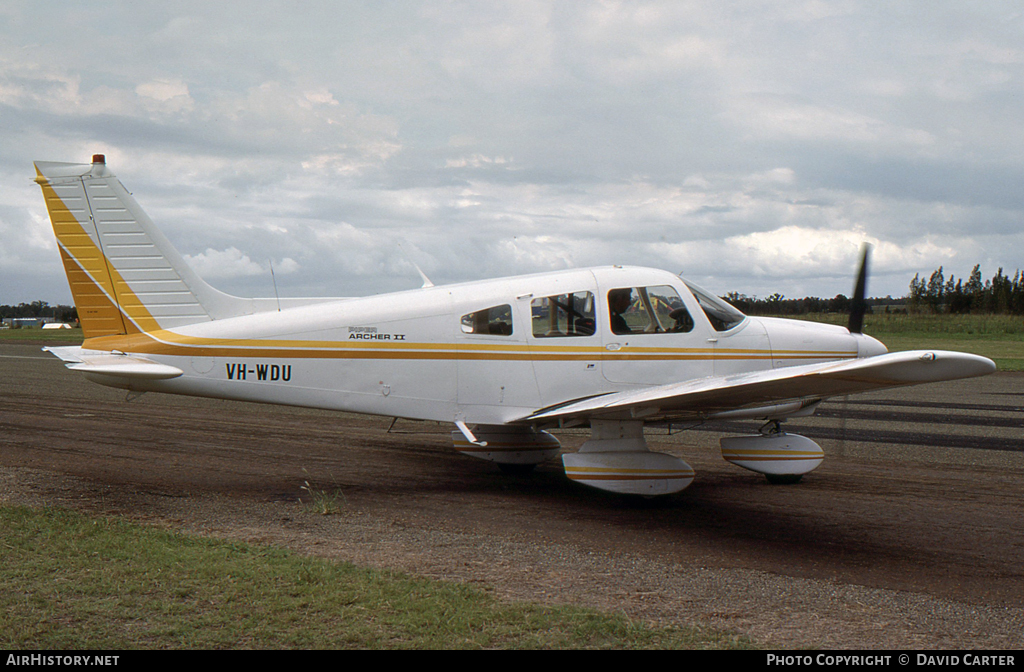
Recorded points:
61,313
1000,295
777,304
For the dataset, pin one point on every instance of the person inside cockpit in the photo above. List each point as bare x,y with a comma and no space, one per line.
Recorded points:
618,303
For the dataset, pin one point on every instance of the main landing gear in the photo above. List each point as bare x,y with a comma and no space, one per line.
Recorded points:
616,458
783,458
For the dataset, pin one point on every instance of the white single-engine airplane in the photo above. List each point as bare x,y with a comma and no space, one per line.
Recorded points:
504,360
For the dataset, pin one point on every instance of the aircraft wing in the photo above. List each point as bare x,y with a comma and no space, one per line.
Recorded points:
775,393
113,364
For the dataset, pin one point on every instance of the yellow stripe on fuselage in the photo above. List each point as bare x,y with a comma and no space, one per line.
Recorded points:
166,342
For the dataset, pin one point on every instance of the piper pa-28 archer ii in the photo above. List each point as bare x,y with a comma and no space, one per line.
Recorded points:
504,360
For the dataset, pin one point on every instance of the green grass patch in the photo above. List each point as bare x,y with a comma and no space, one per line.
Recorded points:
42,336
68,581
960,326
998,337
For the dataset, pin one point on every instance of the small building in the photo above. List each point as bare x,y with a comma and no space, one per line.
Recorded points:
25,322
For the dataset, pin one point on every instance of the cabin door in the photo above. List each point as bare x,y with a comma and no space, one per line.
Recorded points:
651,338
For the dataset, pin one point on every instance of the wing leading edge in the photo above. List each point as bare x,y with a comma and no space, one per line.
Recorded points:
780,392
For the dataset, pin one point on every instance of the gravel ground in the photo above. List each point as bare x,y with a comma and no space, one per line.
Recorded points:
895,542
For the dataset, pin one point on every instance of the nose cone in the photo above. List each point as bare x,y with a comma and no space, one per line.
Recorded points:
868,346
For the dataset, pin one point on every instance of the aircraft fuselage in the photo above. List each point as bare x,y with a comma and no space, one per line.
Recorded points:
492,351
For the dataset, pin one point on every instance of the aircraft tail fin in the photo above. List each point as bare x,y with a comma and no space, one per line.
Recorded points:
125,275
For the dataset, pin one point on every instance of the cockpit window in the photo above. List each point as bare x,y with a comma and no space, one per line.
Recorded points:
648,310
496,321
563,315
722,316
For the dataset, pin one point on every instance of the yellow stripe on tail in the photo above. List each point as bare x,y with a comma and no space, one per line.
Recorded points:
125,276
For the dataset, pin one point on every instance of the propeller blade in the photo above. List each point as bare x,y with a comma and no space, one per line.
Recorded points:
859,304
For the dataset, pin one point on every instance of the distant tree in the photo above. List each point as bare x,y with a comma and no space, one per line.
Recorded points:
936,291
918,293
1017,294
1002,294
957,300
1002,288
975,289
840,304
740,301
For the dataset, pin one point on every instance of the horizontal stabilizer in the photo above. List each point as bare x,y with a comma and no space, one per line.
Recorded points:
108,364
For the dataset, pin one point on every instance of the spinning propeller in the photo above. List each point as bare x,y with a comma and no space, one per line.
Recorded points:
859,304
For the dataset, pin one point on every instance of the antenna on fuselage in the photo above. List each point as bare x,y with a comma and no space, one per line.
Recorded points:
274,278
426,281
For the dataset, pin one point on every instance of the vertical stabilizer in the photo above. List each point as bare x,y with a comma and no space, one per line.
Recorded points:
125,276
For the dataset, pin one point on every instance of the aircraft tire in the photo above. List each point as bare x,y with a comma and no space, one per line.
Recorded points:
516,469
783,479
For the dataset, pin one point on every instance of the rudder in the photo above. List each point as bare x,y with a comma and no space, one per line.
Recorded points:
125,276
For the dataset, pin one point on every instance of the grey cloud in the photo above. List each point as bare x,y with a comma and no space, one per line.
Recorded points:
504,138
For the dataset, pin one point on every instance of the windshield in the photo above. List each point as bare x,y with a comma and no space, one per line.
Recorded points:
723,317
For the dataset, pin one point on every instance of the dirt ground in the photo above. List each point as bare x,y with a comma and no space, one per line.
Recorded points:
910,535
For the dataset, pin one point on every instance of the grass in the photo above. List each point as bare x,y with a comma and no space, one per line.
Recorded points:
68,581
324,500
42,336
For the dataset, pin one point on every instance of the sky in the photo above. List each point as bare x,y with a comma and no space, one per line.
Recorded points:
751,146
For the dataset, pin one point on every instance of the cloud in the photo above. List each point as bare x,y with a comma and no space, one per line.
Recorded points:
166,95
749,144
232,263
767,117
